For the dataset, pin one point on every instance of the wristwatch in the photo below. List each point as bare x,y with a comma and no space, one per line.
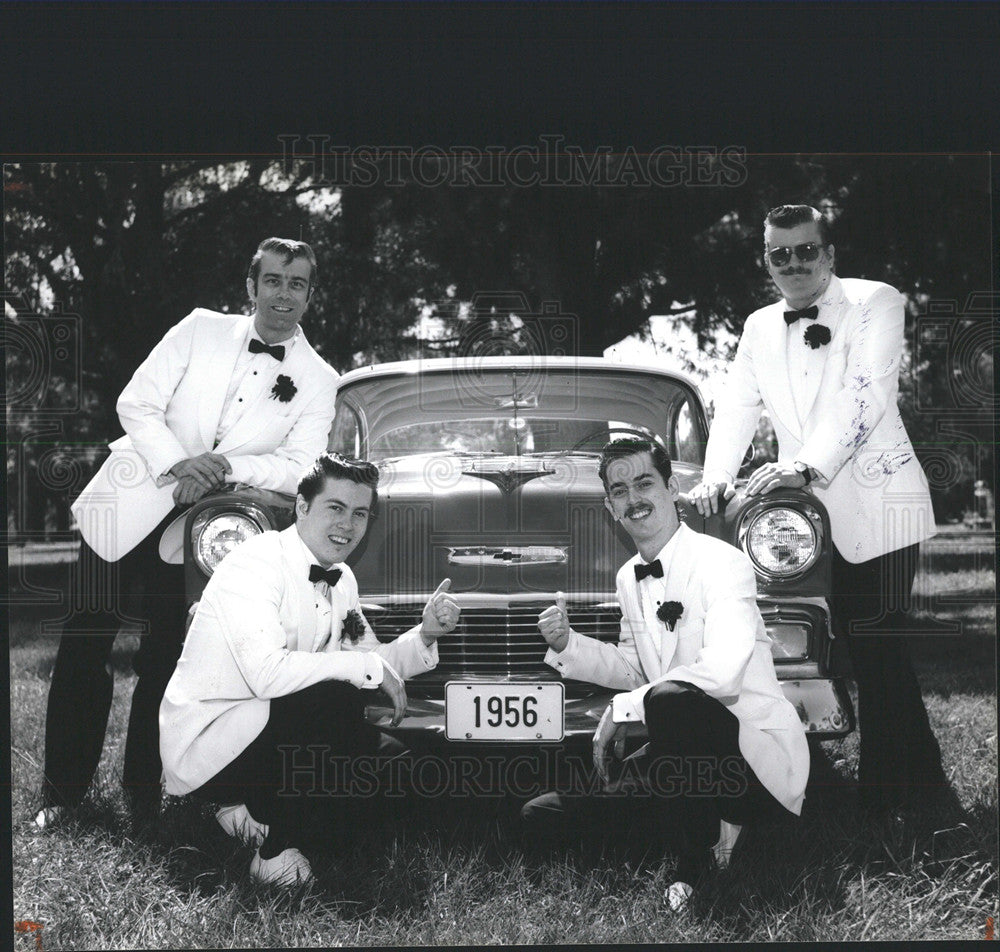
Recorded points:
806,472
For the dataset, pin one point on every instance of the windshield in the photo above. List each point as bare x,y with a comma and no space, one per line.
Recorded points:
497,412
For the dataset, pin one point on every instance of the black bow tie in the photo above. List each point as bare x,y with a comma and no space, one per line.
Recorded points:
330,576
277,351
643,571
809,313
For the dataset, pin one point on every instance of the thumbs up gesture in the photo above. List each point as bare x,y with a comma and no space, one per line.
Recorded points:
440,614
553,623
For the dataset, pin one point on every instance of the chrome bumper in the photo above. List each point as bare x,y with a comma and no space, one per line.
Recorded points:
823,705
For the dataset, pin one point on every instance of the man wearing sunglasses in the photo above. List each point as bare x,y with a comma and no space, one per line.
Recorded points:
824,363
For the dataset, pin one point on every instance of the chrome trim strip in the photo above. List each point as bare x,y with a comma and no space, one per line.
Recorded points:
508,555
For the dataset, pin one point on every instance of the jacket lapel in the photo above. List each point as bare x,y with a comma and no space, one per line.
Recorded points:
645,645
265,408
830,308
773,378
220,365
675,573
301,597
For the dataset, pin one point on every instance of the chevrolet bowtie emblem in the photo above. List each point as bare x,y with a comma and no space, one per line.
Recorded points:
507,555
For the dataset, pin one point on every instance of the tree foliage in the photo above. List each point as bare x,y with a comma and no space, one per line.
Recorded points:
132,247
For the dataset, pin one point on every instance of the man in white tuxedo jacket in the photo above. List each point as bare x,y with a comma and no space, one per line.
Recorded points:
693,662
270,687
221,399
824,363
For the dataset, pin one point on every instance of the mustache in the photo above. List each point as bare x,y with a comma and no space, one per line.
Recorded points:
796,271
632,510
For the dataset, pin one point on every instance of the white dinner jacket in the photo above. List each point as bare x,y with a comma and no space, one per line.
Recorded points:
170,411
254,637
849,429
719,645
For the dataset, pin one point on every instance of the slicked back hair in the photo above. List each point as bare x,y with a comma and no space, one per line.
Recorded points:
630,446
335,466
290,250
789,216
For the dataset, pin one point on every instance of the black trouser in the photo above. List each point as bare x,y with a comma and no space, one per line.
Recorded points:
312,770
82,682
696,777
900,758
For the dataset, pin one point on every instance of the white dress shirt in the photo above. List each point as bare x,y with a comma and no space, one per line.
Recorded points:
374,670
630,706
252,373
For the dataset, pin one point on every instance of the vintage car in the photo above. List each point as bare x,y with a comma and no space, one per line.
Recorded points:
489,478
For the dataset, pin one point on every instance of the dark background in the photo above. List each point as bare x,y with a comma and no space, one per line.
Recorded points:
113,113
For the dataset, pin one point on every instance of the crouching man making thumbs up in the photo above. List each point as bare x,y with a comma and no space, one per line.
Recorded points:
693,663
271,686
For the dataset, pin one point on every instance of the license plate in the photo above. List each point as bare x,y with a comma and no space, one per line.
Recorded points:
484,711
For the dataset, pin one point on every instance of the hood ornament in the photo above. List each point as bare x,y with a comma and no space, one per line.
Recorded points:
508,475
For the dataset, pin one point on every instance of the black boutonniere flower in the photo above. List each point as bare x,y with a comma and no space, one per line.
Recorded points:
816,335
669,612
353,627
284,389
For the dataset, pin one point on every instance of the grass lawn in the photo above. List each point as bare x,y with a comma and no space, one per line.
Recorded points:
439,872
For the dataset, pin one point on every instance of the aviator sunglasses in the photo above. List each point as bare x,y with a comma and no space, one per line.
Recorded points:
779,257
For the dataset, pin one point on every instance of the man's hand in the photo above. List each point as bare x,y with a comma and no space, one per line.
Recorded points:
553,623
441,614
609,740
705,496
208,469
188,490
772,476
394,689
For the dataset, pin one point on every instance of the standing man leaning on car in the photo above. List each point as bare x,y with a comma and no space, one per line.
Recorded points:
824,363
221,399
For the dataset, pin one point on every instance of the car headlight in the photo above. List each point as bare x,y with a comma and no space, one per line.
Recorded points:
781,542
215,534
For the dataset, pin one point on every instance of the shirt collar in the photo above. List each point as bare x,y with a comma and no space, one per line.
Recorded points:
832,295
288,344
667,552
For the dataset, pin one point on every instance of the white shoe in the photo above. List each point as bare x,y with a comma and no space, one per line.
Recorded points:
288,868
237,822
729,833
48,817
677,896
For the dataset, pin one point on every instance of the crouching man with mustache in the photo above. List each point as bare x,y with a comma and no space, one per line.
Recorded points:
693,662
276,668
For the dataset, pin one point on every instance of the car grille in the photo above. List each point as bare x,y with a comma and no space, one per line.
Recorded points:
496,642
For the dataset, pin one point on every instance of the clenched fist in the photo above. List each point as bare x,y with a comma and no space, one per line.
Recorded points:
553,623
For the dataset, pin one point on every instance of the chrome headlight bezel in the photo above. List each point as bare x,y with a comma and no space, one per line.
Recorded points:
246,512
766,509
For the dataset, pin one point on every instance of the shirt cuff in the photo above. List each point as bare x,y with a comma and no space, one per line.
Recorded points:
242,470
628,708
428,654
560,659
374,671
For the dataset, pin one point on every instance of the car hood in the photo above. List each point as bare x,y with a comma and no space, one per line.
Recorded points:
522,527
